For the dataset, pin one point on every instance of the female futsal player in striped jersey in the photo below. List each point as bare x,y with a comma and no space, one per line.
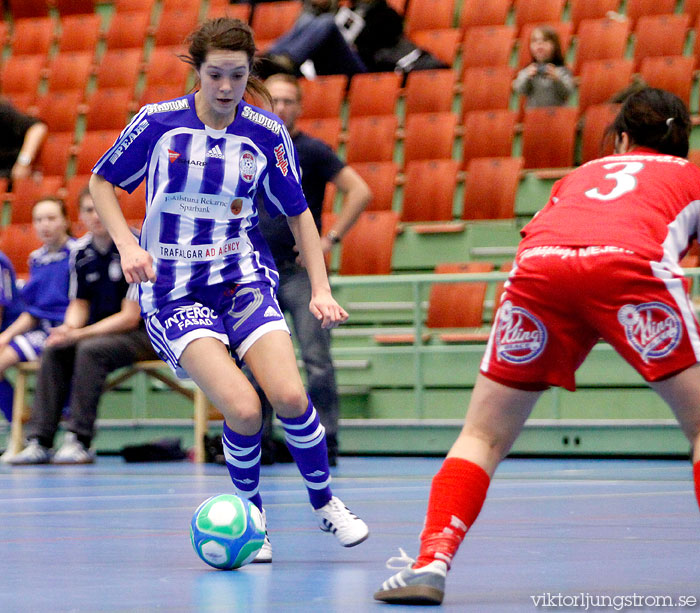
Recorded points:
599,260
207,277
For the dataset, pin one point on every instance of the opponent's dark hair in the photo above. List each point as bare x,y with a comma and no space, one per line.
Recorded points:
654,118
226,34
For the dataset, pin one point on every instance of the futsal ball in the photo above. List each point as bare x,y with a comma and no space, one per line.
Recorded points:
227,531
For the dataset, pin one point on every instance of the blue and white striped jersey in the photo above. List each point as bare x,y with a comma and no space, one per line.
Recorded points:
201,187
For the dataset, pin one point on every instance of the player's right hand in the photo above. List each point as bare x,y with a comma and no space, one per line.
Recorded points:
137,264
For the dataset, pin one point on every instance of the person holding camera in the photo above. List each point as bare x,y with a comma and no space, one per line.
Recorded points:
546,81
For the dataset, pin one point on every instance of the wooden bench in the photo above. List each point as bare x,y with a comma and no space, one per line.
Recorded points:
152,368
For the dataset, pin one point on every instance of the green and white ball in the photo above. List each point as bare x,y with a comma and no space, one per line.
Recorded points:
227,531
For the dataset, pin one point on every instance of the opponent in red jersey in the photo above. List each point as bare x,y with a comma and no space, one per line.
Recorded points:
599,261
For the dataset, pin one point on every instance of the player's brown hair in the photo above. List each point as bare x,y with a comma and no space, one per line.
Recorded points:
654,118
227,34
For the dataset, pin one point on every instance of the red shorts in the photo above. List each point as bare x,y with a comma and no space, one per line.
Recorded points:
559,301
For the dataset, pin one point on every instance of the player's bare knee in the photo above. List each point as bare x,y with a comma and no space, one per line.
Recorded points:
289,402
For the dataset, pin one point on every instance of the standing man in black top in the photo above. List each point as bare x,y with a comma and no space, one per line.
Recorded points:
319,166
102,331
22,137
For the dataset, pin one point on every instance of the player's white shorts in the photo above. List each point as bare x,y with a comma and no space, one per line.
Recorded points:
237,315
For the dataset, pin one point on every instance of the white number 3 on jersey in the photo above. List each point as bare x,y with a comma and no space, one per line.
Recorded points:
625,181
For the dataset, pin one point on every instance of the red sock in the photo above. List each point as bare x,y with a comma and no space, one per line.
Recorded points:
457,494
696,478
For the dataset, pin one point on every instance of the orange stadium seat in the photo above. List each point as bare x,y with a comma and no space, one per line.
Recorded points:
59,110
128,30
17,241
32,36
21,73
21,100
490,188
429,15
657,35
25,193
108,109
596,120
55,153
398,5
160,92
381,178
590,9
461,304
487,46
429,91
130,6
323,96
174,26
164,67
673,73
272,19
443,43
601,79
486,88
70,70
371,139
80,33
326,129
480,13
91,148
537,11
129,63
429,136
600,39
563,30
634,9
19,9
428,191
373,93
133,205
223,8
73,188
488,134
692,9
368,246
540,148
74,7
179,5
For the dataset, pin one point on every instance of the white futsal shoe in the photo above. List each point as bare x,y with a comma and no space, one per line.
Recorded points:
265,554
336,518
419,586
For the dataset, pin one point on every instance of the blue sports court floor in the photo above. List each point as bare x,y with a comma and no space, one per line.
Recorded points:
114,537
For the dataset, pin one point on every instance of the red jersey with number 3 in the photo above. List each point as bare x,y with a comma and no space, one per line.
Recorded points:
642,201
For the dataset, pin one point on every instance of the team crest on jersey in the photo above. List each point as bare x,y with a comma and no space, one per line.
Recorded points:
520,336
173,155
247,166
282,162
652,328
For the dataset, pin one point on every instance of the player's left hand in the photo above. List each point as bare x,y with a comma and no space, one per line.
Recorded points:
324,308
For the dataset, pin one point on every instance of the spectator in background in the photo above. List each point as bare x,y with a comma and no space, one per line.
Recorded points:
316,37
319,166
546,81
102,331
44,296
22,137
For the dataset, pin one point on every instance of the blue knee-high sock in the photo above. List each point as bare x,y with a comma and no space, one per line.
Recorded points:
306,439
7,393
243,462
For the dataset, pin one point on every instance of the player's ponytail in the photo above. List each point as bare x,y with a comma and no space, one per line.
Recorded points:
226,34
656,119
